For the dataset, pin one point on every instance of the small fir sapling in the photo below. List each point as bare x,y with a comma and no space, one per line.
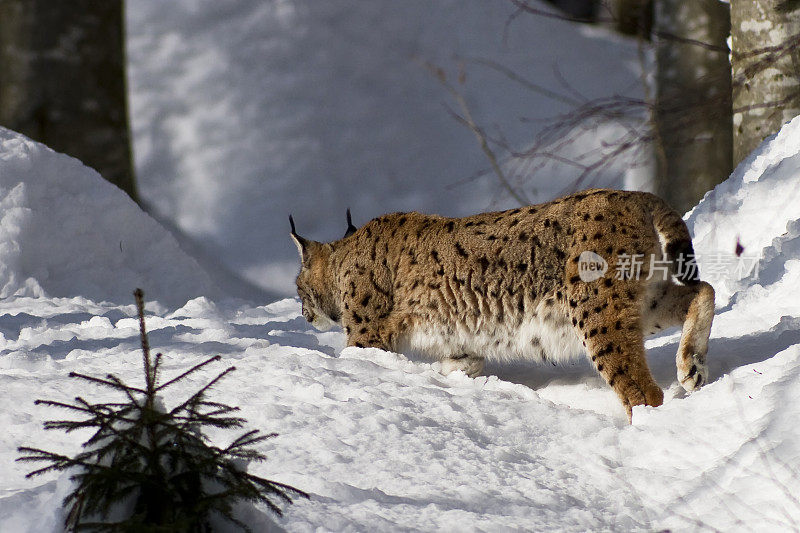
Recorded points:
148,468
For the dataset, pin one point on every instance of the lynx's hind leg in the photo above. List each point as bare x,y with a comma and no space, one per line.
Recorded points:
691,358
611,331
620,358
691,306
471,365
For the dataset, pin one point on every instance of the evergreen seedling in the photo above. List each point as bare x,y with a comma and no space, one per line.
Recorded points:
151,469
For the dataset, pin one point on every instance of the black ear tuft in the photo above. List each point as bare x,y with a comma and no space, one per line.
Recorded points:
300,242
350,227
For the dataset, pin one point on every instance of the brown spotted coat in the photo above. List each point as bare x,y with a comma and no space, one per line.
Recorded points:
506,284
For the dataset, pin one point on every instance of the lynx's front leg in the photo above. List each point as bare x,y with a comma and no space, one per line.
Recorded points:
471,365
366,332
367,317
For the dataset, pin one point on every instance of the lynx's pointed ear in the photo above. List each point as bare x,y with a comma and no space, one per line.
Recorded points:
300,242
350,227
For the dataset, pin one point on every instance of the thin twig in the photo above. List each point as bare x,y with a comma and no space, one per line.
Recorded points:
467,119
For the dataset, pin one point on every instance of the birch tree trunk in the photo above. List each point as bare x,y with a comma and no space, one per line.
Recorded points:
765,37
62,80
693,99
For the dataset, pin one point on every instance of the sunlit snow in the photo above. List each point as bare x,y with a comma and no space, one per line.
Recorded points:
386,443
237,107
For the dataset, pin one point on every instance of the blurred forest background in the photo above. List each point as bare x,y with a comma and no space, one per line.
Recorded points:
241,112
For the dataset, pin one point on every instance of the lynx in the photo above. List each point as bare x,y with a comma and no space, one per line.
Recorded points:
526,283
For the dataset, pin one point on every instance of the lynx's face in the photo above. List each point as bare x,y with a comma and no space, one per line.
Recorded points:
314,287
316,307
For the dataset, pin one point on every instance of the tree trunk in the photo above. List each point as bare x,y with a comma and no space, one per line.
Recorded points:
62,80
693,99
582,10
631,17
766,69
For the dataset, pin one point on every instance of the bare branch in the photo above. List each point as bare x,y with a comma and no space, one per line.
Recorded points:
510,74
467,119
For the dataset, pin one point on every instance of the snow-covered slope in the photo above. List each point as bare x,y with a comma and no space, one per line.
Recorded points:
758,207
65,231
383,443
246,111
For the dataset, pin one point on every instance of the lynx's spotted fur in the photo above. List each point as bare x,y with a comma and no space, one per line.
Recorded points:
506,285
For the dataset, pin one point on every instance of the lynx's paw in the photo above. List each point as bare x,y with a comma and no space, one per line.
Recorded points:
692,371
471,365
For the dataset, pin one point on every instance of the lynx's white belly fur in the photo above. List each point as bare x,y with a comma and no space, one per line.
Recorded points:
534,338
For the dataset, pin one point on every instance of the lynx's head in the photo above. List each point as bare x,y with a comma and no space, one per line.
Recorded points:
315,282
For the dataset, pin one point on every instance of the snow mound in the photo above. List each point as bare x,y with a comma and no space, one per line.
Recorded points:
65,231
758,207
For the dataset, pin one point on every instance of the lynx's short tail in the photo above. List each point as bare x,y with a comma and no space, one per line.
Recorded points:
676,241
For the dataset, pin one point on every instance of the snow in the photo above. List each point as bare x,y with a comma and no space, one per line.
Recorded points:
245,112
66,231
759,207
382,442
240,116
